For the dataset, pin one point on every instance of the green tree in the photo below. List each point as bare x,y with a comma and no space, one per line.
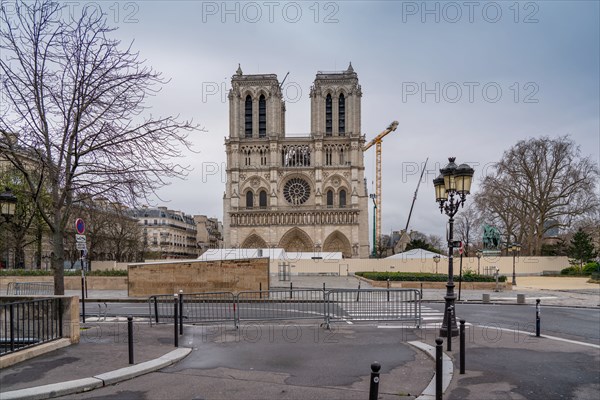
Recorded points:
581,249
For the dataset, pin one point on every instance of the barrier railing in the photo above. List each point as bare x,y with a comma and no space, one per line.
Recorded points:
28,323
280,305
328,305
373,305
29,288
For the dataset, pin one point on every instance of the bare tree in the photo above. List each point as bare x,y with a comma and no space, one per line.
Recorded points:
77,107
538,185
467,226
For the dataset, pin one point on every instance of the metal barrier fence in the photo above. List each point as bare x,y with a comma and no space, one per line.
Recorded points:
280,305
330,306
373,305
28,323
29,288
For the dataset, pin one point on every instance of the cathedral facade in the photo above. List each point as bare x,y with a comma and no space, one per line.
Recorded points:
298,192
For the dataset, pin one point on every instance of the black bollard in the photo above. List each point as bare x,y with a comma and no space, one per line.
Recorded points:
462,346
260,290
291,288
537,318
358,293
130,337
449,336
83,295
155,309
374,387
439,378
175,313
181,312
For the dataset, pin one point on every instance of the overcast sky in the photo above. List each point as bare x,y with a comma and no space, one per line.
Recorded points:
464,79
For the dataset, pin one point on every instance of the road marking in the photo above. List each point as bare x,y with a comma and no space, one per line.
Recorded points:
595,346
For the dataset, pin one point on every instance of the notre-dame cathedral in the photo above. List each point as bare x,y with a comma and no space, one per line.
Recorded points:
299,192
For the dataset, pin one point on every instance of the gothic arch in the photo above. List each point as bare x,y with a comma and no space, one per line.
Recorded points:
337,241
296,240
254,242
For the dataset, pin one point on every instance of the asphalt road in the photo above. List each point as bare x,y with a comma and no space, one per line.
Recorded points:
581,324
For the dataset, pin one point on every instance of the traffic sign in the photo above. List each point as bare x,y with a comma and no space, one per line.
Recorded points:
80,246
80,226
461,248
80,238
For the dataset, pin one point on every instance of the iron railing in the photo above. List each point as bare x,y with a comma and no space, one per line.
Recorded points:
29,288
328,305
28,323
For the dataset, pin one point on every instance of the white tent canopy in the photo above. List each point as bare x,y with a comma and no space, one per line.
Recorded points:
415,254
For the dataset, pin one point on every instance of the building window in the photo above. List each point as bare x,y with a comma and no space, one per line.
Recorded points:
342,198
247,159
248,116
262,117
263,157
342,160
330,198
295,156
262,199
328,116
249,199
342,116
328,156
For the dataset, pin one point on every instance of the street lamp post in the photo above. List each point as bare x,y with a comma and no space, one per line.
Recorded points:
8,206
451,190
514,248
478,254
436,259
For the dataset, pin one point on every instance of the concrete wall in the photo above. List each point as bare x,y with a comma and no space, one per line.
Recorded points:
523,265
108,265
198,276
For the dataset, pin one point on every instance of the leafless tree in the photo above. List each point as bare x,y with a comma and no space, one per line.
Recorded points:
77,106
538,185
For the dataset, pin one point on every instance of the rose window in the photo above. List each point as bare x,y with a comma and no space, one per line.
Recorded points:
296,191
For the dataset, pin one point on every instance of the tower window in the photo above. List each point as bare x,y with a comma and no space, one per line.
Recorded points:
342,115
330,198
342,158
249,199
328,156
262,117
328,116
263,157
248,117
247,157
342,198
262,199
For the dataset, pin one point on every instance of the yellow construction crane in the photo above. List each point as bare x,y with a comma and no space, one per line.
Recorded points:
377,198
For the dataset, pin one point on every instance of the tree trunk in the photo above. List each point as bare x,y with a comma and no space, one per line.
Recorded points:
58,261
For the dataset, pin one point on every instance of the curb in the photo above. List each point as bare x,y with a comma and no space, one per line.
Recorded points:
447,370
97,381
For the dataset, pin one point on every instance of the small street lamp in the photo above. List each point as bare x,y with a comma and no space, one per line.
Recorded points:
514,248
436,259
8,206
451,190
478,254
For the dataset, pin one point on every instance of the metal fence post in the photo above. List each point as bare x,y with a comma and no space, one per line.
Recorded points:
537,318
175,312
291,290
156,308
462,346
449,338
439,353
83,295
130,337
260,290
358,293
388,289
12,327
60,318
181,312
374,386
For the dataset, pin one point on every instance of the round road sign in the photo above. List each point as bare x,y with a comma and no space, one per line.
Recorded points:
80,226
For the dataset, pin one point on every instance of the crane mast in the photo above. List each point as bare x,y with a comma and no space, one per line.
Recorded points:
378,189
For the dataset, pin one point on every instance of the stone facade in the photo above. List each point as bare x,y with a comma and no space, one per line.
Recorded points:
298,192
209,233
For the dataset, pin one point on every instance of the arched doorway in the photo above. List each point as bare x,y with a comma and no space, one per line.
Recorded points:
296,240
254,242
337,241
